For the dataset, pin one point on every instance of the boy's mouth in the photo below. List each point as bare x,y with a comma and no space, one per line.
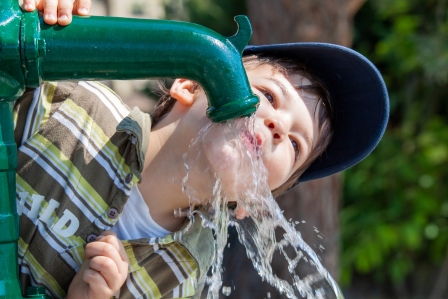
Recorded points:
253,141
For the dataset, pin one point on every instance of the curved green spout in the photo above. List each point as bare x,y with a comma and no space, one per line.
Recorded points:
93,48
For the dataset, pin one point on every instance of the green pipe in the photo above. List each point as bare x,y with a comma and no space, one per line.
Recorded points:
102,48
9,222
11,87
93,48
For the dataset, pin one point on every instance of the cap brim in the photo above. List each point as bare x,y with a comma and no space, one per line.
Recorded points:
358,96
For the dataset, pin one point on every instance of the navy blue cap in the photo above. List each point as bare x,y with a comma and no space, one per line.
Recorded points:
358,97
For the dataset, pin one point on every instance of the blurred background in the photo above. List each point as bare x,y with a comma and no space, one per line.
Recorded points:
385,221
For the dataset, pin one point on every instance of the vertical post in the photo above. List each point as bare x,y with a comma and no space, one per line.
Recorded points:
9,222
12,85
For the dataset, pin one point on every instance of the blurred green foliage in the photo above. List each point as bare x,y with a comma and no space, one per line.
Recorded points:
395,204
214,14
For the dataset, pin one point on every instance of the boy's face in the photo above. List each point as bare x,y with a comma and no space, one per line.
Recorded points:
285,122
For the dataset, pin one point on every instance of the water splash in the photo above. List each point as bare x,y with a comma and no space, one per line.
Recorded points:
226,181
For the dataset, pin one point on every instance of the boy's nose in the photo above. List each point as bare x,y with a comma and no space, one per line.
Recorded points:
277,129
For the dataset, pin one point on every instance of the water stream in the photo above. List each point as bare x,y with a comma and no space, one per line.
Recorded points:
224,175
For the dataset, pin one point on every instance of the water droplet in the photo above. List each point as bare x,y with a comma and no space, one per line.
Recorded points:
226,291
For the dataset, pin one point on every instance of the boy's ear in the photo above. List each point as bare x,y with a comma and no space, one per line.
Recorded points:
183,91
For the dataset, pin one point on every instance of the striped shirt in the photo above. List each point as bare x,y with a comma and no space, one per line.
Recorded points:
80,151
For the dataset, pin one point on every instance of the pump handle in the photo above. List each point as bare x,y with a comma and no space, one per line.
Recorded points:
243,35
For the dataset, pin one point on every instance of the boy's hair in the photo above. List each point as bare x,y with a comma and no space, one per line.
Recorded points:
287,67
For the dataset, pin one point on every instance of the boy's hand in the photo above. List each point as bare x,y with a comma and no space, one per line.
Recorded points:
104,270
58,11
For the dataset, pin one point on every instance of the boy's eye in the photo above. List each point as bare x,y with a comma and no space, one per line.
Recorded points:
296,148
268,96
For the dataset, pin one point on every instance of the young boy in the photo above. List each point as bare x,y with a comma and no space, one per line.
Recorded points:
88,231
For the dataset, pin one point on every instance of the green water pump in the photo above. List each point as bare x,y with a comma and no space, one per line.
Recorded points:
103,48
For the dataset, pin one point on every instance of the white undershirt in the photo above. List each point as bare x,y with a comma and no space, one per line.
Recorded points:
135,221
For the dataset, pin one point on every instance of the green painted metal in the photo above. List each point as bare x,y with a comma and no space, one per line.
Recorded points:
120,48
11,87
36,292
12,82
9,222
101,48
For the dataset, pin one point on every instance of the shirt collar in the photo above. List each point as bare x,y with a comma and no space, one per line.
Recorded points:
138,124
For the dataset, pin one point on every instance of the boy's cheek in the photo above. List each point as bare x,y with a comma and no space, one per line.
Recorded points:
277,174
